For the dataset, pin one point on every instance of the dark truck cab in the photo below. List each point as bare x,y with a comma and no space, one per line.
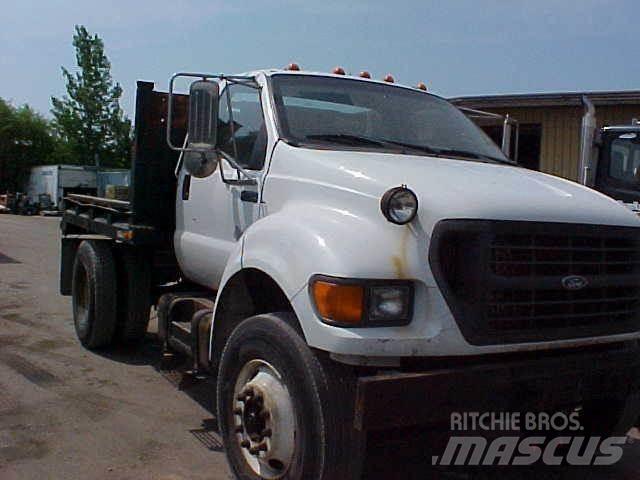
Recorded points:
618,169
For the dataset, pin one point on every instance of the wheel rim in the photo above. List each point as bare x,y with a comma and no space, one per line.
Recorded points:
82,302
263,419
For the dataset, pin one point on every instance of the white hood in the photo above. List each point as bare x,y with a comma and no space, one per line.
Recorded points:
449,188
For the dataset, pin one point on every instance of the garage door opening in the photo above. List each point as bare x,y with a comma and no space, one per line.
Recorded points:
529,142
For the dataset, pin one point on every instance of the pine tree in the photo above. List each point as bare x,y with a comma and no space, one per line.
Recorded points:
89,118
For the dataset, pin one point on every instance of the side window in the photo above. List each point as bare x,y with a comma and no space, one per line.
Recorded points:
249,128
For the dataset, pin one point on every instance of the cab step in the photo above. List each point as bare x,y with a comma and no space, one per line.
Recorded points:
184,326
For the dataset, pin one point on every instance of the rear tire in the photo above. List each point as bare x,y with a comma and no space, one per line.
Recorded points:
316,440
134,292
94,294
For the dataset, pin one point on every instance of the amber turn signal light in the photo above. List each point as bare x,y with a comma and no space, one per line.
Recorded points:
338,303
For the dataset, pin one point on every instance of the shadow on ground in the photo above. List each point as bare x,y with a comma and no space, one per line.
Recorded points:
402,455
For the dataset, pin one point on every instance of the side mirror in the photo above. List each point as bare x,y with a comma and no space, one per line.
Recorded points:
203,115
200,164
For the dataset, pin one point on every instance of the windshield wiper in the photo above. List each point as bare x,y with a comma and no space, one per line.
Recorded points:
363,140
346,138
383,142
412,146
450,151
469,154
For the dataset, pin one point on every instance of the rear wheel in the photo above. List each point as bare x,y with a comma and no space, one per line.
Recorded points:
283,412
94,294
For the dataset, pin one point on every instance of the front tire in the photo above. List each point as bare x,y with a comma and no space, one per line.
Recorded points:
94,294
610,416
284,413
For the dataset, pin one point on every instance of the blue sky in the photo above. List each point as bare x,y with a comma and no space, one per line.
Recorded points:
458,47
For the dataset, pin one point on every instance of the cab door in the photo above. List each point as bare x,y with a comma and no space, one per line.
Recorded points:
212,213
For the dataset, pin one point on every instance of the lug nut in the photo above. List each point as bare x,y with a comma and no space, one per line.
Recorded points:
247,392
262,447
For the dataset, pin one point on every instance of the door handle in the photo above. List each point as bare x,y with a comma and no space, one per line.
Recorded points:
249,196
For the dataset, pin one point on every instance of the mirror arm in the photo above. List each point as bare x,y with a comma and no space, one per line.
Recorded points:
248,180
176,172
232,127
249,81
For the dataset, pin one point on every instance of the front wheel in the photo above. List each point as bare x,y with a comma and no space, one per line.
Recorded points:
283,412
612,416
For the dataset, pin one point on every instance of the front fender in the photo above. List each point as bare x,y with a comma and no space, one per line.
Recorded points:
298,242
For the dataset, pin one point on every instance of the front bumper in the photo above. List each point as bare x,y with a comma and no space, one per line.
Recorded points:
510,383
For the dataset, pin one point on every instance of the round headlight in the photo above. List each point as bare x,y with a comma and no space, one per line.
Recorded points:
399,205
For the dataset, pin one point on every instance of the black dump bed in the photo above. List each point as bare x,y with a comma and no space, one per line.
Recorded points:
149,215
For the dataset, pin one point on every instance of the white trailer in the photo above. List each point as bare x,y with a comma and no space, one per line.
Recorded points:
60,180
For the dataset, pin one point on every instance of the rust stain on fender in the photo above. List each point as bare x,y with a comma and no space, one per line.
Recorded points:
399,261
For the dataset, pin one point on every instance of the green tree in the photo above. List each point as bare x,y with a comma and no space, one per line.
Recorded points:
25,140
89,118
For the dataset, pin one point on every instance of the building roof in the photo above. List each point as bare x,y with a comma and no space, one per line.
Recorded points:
548,99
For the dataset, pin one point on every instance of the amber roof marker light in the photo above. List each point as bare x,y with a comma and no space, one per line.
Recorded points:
365,74
293,67
422,86
389,78
338,71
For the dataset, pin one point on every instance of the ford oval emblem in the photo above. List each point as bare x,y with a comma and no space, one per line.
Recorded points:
574,282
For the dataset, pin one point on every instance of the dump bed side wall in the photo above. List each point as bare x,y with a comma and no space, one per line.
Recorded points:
153,184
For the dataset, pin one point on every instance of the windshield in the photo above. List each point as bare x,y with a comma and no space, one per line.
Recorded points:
625,159
316,111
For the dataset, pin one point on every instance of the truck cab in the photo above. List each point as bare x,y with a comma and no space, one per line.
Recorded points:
349,256
609,158
618,170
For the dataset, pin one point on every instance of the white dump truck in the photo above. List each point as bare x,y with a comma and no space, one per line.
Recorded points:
347,256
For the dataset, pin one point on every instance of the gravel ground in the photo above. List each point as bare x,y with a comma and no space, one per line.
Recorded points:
67,413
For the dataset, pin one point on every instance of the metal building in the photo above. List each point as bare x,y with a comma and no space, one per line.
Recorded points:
549,123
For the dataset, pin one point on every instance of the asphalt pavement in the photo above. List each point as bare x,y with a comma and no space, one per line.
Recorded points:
67,413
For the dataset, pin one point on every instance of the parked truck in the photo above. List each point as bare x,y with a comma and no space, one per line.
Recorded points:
346,255
610,158
609,155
